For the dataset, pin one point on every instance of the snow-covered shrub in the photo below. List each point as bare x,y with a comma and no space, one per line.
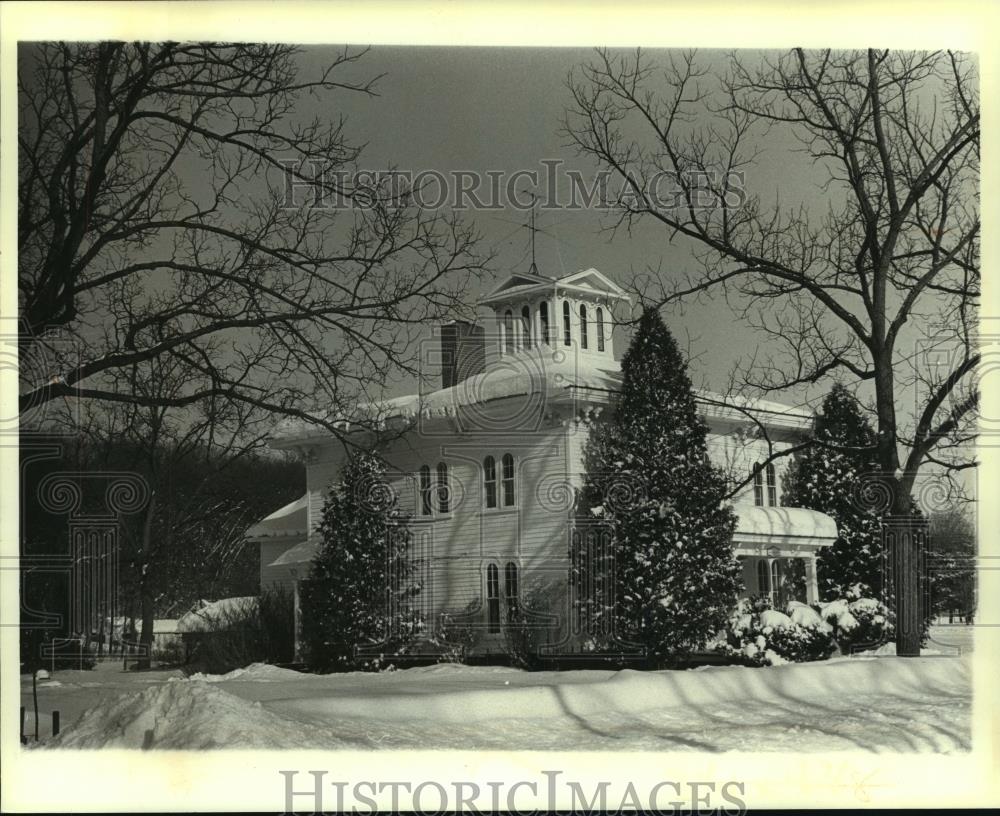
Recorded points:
858,623
761,636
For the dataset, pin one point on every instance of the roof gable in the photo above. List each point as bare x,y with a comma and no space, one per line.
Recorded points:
594,280
519,281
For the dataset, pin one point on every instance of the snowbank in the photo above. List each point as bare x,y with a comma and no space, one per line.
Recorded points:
630,692
257,672
873,703
183,715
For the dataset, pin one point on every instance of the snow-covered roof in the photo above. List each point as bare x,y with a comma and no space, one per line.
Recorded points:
216,613
555,375
290,520
778,525
299,554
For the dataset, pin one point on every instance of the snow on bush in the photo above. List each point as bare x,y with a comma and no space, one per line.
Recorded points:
759,635
858,623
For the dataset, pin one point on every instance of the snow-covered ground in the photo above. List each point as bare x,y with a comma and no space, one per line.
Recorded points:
869,703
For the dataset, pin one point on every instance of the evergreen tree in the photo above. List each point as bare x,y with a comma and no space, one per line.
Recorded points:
652,494
825,477
355,603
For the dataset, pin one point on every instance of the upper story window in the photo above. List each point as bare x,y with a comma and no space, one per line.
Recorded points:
760,474
600,329
499,482
526,321
508,331
583,326
543,318
426,507
508,480
490,481
567,330
444,499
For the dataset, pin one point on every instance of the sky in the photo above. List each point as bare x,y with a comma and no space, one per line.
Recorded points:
500,109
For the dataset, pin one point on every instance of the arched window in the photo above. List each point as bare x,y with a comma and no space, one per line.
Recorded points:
493,597
508,480
490,481
567,331
442,491
543,316
600,329
583,326
426,508
510,588
526,320
772,486
758,485
763,578
508,331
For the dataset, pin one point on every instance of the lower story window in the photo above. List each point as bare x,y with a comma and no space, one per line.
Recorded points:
493,598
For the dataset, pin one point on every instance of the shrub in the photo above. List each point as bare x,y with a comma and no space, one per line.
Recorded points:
259,632
758,635
534,624
457,634
858,623
170,653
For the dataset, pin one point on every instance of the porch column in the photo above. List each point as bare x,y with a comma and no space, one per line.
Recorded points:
812,584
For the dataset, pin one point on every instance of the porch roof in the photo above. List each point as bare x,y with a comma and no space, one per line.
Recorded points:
784,528
299,554
285,522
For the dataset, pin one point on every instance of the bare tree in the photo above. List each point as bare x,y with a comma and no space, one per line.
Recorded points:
193,525
157,222
879,284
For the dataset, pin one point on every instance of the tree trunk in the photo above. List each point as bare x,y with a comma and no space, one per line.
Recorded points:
146,596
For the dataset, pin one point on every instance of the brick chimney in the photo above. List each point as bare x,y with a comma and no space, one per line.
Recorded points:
463,352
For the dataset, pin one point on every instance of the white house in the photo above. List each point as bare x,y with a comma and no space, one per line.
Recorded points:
488,462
